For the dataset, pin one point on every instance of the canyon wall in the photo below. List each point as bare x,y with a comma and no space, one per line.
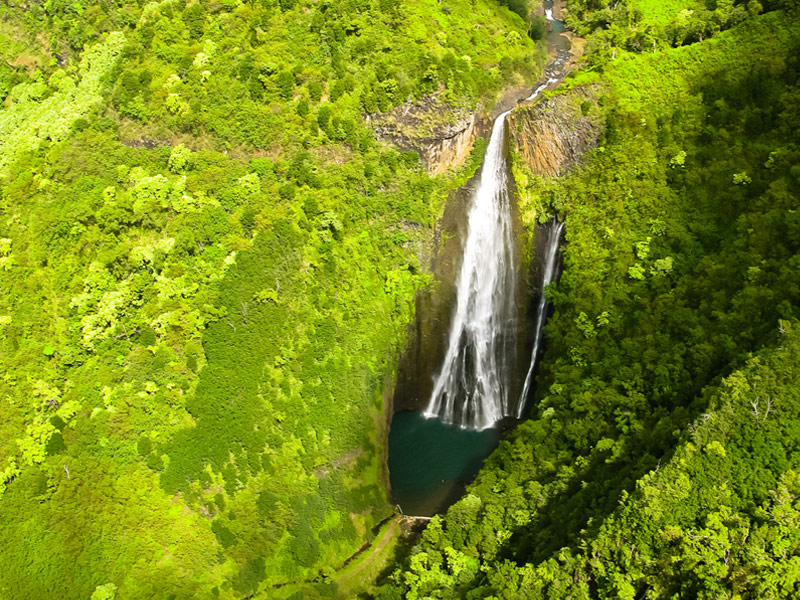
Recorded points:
442,139
552,134
549,135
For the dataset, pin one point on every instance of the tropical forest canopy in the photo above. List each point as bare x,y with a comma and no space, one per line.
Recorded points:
208,261
661,457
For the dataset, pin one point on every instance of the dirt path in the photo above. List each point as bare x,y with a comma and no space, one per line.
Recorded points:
375,552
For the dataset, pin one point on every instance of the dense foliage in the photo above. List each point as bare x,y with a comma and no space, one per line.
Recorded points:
661,459
647,25
207,264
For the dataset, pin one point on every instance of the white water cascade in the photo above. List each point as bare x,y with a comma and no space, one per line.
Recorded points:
473,387
552,232
548,14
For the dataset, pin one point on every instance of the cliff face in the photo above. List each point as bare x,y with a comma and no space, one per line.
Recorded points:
442,138
551,135
427,340
426,345
440,133
453,149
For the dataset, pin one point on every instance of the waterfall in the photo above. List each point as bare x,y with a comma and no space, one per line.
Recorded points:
474,385
548,13
472,388
552,232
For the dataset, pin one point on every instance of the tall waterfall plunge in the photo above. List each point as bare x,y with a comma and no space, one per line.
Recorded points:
473,388
432,460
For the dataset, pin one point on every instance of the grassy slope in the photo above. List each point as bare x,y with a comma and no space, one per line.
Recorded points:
195,344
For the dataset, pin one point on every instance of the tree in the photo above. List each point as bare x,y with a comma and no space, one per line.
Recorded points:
286,85
537,29
107,591
195,19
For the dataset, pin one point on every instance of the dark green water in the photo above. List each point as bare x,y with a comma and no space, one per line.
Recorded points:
430,463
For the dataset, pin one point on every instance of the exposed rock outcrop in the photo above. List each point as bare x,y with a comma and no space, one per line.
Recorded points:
430,128
441,134
453,147
552,135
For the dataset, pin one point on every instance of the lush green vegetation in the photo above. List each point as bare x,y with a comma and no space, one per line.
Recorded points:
662,456
647,25
207,266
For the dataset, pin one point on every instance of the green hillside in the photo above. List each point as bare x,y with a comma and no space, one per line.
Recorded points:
208,266
662,454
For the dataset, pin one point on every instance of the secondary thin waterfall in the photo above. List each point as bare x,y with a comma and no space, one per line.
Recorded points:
549,272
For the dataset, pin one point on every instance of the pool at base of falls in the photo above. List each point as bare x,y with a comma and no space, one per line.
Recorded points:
430,462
